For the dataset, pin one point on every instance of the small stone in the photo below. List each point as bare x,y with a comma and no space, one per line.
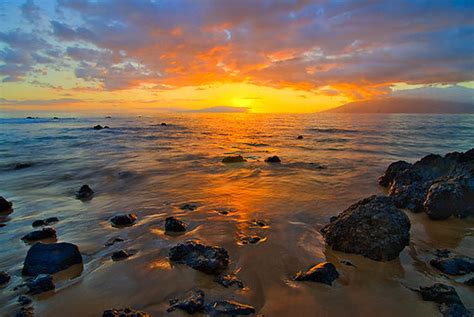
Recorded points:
163,124
470,281
41,283
440,293
455,265
85,193
234,159
273,159
98,127
324,273
173,224
259,223
191,305
189,207
300,137
120,255
227,307
51,220
5,205
249,239
229,280
19,166
24,300
4,278
50,258
45,233
204,258
38,223
123,220
125,312
113,240
26,312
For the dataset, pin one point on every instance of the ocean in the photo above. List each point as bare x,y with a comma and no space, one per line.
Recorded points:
141,166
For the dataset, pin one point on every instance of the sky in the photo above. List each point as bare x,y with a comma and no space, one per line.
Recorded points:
261,55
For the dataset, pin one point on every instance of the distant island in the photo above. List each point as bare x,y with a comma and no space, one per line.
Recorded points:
404,105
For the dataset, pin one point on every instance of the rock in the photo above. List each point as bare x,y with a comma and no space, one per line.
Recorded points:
41,283
26,312
392,171
450,304
470,282
249,239
273,159
50,258
38,223
173,224
258,223
120,255
124,220
324,273
300,137
373,227
189,207
207,259
55,118
24,300
45,222
19,166
5,205
98,127
442,253
45,233
113,240
125,312
454,310
234,159
229,280
443,200
163,124
4,278
455,265
227,307
191,305
85,193
106,127
29,118
347,262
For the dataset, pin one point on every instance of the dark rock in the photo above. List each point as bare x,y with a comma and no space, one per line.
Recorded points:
444,199
470,281
4,278
234,159
191,305
227,307
411,196
373,227
45,233
392,171
55,118
454,310
29,117
229,280
348,263
85,193
26,312
50,258
163,124
259,223
98,127
324,273
106,127
5,205
189,207
24,300
300,137
113,240
120,255
173,224
249,239
19,166
41,283
125,312
207,259
447,298
442,253
123,220
455,265
108,117
273,159
51,220
45,222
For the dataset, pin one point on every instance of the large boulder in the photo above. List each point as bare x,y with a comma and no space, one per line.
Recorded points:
50,258
444,199
373,227
204,258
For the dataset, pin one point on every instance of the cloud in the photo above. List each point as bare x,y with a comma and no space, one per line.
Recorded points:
38,102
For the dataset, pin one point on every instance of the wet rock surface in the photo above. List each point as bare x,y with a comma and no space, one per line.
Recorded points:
50,258
442,186
372,227
447,298
228,280
5,205
325,273
204,258
44,222
234,159
85,193
228,307
191,305
40,284
45,233
120,255
173,224
454,264
273,159
124,220
125,312
4,278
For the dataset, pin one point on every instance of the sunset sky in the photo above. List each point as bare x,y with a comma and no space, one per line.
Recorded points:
267,56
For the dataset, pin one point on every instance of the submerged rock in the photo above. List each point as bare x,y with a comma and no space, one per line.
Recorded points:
454,265
124,220
20,166
125,312
450,305
373,227
273,159
325,273
228,307
173,224
85,193
234,159
45,233
4,278
41,283
24,300
191,305
50,258
5,205
44,222
228,280
26,312
204,258
120,255
189,207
